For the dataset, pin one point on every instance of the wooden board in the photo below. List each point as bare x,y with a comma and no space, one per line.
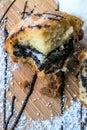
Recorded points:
38,106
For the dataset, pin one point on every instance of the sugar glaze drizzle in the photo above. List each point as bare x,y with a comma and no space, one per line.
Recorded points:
3,16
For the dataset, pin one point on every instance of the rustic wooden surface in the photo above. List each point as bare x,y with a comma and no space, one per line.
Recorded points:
37,106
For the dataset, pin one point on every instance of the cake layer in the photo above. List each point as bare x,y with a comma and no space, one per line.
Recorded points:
45,32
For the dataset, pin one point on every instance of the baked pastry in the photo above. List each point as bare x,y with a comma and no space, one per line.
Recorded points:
82,78
44,40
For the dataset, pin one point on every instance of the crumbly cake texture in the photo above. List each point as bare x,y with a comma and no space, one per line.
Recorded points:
51,84
82,78
44,32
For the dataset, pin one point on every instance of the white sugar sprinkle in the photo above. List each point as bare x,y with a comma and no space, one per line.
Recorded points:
51,115
22,102
11,78
34,100
12,83
19,83
48,104
68,85
38,114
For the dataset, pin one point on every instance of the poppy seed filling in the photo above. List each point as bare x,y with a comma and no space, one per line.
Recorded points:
56,57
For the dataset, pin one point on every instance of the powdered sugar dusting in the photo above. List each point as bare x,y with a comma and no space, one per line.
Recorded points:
70,120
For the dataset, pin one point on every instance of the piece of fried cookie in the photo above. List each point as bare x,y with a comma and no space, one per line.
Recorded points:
82,78
44,40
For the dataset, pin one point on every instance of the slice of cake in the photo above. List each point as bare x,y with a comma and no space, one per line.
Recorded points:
83,77
44,40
